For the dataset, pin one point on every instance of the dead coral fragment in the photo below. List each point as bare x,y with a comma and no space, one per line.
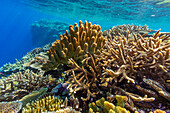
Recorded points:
82,39
156,86
10,107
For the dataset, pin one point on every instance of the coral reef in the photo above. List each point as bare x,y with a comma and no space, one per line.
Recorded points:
25,61
82,39
46,31
17,85
125,65
120,66
10,107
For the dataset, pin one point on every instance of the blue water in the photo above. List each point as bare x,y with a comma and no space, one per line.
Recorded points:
16,16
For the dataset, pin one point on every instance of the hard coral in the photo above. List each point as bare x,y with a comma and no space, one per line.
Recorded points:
10,107
82,39
103,106
88,79
126,30
19,84
49,104
128,56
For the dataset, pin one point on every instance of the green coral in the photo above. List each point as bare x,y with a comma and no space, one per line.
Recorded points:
121,100
108,107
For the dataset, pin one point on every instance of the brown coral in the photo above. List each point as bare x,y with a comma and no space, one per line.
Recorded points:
82,39
126,30
128,56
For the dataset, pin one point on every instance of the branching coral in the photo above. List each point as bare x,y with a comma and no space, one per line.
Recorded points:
125,55
20,84
88,79
51,103
123,59
82,39
127,30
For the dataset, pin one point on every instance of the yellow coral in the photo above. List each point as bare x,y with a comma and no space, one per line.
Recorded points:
49,103
106,106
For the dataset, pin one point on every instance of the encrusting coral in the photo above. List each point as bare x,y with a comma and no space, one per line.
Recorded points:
82,39
19,84
10,107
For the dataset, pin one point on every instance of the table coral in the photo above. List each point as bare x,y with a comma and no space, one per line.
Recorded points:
82,39
10,107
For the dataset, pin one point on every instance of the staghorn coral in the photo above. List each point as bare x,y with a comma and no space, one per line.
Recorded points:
17,85
119,67
49,104
126,30
86,80
10,107
129,56
82,39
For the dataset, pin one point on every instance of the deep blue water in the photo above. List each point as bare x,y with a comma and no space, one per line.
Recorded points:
16,16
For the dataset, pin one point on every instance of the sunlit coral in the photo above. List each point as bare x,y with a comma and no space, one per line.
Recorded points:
82,39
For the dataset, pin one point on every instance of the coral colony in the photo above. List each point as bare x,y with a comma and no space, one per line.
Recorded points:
120,70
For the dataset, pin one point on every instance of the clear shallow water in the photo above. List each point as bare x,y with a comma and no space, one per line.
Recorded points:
18,15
